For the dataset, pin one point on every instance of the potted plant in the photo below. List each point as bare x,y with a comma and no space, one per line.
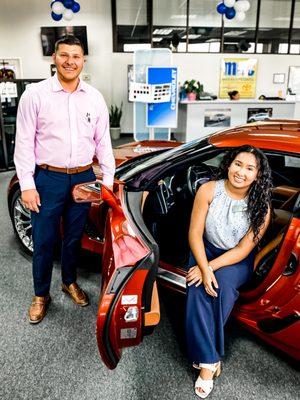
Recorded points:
192,89
115,114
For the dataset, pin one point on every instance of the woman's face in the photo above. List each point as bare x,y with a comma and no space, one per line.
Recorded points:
243,170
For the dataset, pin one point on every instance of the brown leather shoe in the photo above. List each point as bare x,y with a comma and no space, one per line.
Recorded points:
38,308
78,296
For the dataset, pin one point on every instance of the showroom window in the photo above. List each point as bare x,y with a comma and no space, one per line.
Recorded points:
239,36
170,24
295,42
274,26
269,27
205,26
132,29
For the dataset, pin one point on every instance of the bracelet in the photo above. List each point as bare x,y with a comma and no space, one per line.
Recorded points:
210,268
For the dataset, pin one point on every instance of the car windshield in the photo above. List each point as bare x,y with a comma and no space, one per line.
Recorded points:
138,173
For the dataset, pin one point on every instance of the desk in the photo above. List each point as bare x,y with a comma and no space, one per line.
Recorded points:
201,118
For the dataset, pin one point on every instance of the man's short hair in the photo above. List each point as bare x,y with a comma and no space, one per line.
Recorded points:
71,40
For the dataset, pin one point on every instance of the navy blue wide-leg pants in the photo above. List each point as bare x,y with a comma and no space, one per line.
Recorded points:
57,205
207,315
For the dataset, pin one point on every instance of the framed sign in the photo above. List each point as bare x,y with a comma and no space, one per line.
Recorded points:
278,78
238,74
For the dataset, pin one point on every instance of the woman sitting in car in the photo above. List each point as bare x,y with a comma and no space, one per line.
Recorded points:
230,215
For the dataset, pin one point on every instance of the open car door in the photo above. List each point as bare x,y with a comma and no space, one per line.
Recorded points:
271,307
128,304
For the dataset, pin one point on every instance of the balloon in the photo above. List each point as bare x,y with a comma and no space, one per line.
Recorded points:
68,15
56,17
221,8
229,3
242,5
230,13
247,5
58,7
68,3
240,16
239,6
75,7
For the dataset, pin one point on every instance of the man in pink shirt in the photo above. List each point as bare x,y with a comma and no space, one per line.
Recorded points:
62,123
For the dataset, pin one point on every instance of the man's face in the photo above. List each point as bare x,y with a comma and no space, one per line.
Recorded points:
69,60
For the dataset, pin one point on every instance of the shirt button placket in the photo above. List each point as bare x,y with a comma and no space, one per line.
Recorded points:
73,130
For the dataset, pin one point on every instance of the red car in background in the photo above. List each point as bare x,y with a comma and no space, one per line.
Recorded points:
141,230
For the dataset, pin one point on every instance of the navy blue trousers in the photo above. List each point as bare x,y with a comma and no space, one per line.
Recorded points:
57,205
207,315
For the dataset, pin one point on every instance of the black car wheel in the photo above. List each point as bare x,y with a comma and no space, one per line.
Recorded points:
21,222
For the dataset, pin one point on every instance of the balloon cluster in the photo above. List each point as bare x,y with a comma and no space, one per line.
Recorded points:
234,9
64,9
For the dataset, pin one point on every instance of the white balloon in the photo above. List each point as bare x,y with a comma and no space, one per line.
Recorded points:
68,15
239,6
229,3
247,5
242,5
240,16
58,7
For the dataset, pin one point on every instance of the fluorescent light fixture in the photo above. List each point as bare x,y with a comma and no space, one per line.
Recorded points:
183,16
136,46
156,39
162,31
285,19
192,36
234,33
212,41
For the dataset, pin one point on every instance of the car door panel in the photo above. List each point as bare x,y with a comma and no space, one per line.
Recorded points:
129,265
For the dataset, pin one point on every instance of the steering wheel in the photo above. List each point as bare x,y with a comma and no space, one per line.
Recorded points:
196,176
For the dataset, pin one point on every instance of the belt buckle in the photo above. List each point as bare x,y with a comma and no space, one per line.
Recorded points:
73,170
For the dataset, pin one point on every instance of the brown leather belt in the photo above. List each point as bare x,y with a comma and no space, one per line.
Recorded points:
74,170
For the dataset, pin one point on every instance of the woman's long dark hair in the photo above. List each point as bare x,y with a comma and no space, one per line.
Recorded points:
260,191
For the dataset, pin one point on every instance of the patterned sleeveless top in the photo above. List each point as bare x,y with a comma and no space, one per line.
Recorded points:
227,219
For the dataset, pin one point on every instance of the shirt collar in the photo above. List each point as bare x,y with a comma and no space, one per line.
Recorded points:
57,87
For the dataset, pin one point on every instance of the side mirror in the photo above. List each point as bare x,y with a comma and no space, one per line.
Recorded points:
89,192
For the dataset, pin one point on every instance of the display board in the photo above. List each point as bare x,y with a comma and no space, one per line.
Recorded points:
238,74
143,59
163,115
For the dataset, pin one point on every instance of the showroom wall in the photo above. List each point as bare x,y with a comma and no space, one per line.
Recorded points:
20,24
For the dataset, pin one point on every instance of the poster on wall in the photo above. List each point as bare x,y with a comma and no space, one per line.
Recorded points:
217,117
238,74
259,114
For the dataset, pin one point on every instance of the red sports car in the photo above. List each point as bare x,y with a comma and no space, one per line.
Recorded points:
141,230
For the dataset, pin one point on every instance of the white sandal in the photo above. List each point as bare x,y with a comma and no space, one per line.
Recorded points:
207,384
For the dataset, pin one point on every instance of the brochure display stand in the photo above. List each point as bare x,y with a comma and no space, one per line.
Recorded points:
155,94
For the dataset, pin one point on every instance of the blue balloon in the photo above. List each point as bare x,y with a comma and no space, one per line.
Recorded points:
75,7
221,8
230,13
68,3
56,17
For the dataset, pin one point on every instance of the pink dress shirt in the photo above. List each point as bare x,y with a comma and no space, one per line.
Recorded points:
62,129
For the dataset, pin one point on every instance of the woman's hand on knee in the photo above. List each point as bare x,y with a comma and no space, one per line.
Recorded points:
194,276
210,283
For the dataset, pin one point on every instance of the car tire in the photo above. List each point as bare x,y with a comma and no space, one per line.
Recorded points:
21,221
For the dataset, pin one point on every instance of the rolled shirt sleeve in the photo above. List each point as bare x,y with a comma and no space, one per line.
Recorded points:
104,152
24,155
